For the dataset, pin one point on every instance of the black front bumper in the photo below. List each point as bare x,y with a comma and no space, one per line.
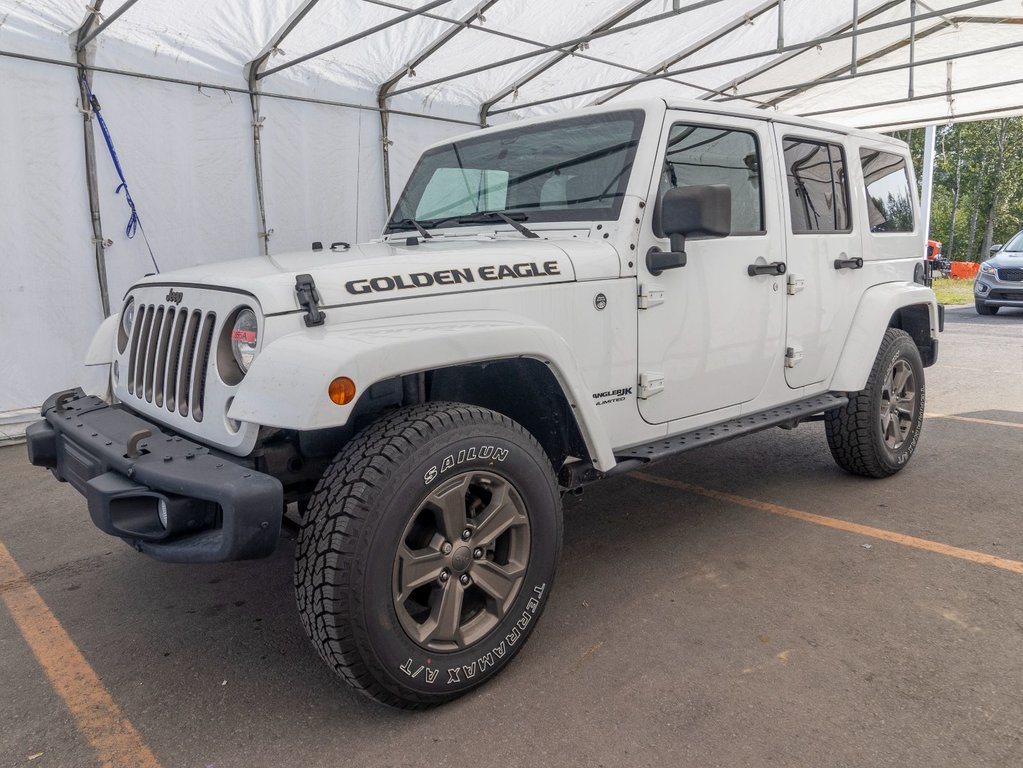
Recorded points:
130,470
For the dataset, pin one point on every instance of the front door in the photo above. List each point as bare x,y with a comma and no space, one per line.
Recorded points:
710,333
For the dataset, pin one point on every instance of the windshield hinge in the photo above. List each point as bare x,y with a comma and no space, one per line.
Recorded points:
650,384
649,297
309,300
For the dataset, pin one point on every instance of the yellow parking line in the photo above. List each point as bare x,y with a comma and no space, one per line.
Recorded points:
979,421
116,742
843,525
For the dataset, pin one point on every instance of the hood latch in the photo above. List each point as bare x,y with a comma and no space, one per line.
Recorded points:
309,299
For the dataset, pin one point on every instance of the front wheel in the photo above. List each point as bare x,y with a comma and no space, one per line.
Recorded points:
985,309
876,433
428,552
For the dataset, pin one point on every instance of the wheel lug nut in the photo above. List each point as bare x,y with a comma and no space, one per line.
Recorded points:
477,553
466,534
444,575
446,549
464,578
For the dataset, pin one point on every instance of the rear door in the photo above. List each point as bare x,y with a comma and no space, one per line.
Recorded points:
824,280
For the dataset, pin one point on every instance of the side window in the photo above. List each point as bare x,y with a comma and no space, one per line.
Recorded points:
818,187
889,202
700,155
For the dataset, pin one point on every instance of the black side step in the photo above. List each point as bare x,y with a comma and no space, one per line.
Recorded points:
726,430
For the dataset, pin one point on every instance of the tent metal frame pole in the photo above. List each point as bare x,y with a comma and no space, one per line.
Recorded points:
558,57
562,45
352,39
699,45
890,102
781,24
82,55
737,59
735,83
912,43
84,40
383,92
927,192
856,34
252,70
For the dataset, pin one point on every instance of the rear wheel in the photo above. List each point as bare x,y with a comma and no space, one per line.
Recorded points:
876,433
984,309
428,552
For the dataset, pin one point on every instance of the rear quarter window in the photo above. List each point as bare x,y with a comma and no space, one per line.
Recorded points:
889,201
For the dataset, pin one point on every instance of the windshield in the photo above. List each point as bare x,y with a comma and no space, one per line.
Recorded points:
570,170
1016,244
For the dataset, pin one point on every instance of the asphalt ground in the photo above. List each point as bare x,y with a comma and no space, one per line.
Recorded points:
744,605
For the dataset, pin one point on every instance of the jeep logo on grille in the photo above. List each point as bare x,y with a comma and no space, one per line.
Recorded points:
174,297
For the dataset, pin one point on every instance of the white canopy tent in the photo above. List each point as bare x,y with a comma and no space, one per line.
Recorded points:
246,127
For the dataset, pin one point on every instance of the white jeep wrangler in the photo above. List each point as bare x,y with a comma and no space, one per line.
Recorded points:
551,303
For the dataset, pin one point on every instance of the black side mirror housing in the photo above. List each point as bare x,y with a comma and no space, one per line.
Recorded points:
697,211
996,248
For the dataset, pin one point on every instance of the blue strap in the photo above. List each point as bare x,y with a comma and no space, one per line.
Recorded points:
134,223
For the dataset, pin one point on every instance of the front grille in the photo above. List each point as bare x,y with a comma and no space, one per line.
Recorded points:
167,357
1013,275
1005,295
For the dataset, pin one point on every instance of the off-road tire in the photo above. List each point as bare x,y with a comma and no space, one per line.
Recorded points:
347,565
854,431
984,309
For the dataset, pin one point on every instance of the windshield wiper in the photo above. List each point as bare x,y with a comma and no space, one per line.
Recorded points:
483,216
407,222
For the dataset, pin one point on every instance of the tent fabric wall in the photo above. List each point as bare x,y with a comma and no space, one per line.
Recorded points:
187,149
49,302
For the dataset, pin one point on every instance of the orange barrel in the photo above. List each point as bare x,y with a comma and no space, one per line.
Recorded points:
964,270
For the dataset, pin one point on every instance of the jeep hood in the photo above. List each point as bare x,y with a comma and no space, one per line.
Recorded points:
390,270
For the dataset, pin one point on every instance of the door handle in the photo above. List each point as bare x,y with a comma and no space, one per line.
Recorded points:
855,263
774,268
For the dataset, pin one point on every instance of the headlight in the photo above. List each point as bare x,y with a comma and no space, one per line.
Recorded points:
987,269
127,319
244,338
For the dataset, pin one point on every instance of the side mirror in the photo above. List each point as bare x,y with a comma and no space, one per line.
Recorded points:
996,248
697,211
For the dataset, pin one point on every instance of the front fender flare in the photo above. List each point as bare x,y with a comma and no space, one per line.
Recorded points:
873,315
287,384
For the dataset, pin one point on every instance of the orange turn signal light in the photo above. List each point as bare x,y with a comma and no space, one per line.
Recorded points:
341,390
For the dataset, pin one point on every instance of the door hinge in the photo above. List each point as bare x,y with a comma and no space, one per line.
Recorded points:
650,384
794,284
793,356
650,297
